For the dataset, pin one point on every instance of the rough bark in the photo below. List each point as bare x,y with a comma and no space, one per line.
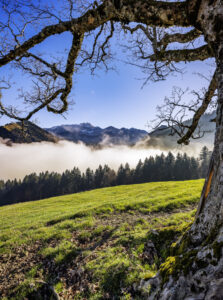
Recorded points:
201,248
180,37
210,18
147,12
195,271
202,52
197,267
151,13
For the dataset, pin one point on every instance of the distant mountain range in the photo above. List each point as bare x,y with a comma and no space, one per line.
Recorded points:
94,135
30,133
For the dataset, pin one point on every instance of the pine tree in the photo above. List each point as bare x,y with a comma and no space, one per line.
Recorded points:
89,179
120,175
98,177
204,161
138,173
169,167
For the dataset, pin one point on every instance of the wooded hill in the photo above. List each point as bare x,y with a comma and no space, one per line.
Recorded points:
27,132
160,168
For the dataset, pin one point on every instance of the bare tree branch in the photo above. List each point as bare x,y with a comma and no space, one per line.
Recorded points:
88,19
167,14
174,112
201,110
201,53
179,38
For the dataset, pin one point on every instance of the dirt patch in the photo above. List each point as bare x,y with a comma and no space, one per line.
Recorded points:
72,274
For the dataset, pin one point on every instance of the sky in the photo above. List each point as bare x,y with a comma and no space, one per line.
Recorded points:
115,99
108,99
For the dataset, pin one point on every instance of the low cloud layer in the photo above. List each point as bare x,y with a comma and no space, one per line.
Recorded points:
18,160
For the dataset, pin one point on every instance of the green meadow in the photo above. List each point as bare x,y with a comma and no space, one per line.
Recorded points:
92,245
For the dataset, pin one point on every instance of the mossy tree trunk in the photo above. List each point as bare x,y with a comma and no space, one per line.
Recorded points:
210,214
195,270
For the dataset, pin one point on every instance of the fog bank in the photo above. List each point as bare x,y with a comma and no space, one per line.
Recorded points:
19,160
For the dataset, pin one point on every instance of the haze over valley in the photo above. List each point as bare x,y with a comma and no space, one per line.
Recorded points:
67,146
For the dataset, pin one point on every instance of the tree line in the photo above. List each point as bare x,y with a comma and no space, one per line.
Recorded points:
158,168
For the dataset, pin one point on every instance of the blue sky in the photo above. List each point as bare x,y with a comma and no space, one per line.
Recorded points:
117,98
114,98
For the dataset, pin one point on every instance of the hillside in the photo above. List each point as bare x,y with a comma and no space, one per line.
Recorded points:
14,132
92,245
161,136
94,135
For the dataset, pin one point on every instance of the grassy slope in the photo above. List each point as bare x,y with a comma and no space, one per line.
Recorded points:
91,244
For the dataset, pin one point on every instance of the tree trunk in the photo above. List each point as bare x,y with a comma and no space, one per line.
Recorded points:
210,211
195,271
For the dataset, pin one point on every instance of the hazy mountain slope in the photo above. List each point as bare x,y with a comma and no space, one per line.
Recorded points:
92,135
161,136
93,245
30,133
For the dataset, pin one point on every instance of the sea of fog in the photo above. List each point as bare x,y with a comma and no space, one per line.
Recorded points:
19,160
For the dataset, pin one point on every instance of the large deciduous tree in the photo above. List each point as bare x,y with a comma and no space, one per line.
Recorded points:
24,25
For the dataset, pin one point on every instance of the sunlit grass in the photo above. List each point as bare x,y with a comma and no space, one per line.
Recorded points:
108,227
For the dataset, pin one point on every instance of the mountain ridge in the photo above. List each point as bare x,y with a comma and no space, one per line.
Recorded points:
96,136
91,135
26,133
